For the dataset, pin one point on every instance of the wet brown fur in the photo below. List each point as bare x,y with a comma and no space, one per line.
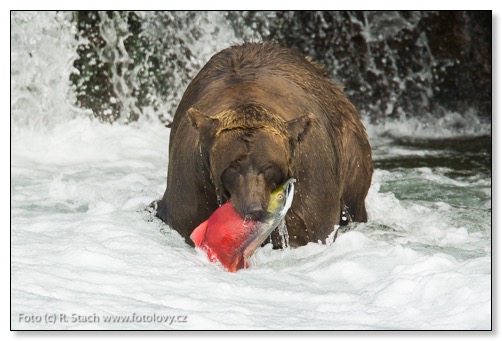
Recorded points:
264,89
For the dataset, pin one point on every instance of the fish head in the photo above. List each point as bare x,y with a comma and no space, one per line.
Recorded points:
280,202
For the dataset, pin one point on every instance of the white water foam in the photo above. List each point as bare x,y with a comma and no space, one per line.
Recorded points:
450,125
82,244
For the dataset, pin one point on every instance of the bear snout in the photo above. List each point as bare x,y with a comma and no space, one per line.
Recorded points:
253,211
250,196
249,208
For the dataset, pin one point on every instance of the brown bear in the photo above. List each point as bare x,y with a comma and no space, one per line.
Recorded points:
254,116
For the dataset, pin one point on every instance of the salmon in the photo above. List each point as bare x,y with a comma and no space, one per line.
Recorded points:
229,239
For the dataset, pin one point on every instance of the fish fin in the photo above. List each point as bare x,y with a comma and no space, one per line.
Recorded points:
237,263
199,234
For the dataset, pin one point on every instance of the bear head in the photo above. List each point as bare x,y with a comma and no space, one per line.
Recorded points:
249,153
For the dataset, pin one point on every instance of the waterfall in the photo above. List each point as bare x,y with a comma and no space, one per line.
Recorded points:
43,49
125,66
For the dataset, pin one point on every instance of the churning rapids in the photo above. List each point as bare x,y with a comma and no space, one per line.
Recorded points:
83,249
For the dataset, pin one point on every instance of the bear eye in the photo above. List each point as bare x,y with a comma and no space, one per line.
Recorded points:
273,175
267,169
233,166
229,178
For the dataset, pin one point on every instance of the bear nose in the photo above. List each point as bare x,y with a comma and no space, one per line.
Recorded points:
253,211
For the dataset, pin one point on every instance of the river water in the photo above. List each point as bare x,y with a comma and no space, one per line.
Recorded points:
85,251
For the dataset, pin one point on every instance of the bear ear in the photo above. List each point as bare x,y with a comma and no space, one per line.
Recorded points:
299,126
200,121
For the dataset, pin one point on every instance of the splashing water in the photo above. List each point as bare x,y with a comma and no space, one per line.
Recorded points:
283,233
43,48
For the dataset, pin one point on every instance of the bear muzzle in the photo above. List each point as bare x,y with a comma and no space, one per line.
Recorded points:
250,197
253,211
